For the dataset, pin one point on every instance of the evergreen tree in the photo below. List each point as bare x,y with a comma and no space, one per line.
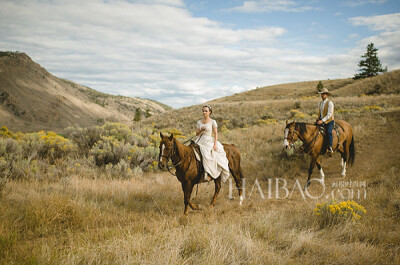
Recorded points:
148,114
138,115
370,65
320,86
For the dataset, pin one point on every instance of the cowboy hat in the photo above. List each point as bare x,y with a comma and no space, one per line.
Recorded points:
324,91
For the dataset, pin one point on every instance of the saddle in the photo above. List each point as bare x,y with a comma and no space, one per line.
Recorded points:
337,129
196,150
199,160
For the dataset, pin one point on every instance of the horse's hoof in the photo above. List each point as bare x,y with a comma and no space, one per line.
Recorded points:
195,207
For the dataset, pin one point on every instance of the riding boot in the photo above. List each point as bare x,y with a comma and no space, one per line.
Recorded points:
330,151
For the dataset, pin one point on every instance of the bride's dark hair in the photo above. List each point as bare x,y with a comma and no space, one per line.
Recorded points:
207,106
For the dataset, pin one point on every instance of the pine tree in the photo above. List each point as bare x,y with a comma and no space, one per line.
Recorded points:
148,114
138,115
371,65
320,86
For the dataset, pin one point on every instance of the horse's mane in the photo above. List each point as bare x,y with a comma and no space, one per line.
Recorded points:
301,125
181,148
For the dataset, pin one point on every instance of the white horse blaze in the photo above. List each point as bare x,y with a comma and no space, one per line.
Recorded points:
162,152
285,141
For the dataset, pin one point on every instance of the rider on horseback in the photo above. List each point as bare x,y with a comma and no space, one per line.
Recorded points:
326,116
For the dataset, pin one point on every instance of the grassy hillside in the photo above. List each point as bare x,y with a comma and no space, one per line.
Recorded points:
287,101
32,99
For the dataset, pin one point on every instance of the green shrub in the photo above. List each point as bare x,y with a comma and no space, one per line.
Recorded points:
117,130
84,138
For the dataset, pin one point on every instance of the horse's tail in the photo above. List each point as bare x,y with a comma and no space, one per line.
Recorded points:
352,150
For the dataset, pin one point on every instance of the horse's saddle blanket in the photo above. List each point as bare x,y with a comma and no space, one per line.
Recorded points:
337,128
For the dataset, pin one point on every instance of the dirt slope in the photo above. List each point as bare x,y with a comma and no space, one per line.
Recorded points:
33,99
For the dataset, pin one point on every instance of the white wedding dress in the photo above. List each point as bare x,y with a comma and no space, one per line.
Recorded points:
215,163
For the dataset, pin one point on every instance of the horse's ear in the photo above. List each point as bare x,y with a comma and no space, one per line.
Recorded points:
171,136
287,122
294,121
161,135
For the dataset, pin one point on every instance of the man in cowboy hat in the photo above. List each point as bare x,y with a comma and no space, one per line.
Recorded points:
326,109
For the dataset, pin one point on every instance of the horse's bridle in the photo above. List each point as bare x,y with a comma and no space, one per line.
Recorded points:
177,164
168,157
295,131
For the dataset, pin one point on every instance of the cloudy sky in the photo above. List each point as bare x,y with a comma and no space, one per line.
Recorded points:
185,52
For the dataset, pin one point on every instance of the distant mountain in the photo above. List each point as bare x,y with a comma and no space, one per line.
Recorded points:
32,99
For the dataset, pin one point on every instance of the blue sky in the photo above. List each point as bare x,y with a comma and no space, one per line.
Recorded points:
183,52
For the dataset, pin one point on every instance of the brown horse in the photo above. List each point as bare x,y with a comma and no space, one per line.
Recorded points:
314,143
189,172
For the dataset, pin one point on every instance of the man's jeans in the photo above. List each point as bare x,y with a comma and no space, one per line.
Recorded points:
329,127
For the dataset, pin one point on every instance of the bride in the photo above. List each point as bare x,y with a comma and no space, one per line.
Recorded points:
215,162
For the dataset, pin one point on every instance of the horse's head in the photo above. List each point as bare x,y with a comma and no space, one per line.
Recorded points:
167,145
291,134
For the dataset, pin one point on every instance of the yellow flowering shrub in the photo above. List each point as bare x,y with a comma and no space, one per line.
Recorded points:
308,97
119,131
176,133
361,109
371,108
266,122
46,144
331,213
6,133
298,115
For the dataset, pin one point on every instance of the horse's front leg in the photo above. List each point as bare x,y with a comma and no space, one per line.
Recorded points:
187,192
310,170
321,171
217,183
184,188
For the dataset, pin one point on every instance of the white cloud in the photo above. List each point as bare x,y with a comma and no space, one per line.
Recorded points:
353,36
388,41
262,6
157,49
153,49
354,3
390,22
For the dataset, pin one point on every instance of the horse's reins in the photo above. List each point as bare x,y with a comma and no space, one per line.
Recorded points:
298,135
177,164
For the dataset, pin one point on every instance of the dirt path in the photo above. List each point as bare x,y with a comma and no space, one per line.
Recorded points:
376,152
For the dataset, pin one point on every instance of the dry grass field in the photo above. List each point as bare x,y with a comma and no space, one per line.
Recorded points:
87,217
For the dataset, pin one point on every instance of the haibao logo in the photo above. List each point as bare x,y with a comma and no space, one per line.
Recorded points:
278,189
